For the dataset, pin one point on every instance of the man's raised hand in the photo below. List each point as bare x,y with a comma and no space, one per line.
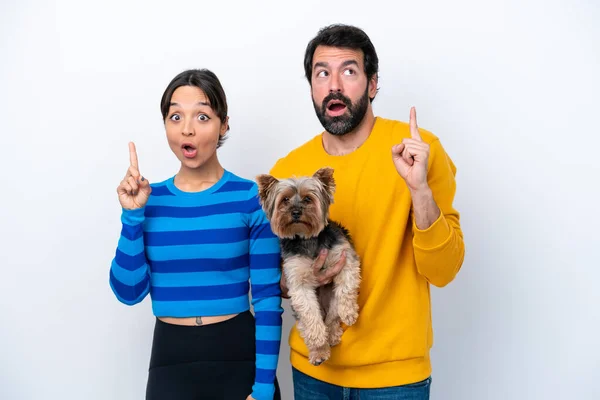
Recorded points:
411,156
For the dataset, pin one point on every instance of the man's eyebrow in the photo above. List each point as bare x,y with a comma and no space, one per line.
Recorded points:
344,64
349,62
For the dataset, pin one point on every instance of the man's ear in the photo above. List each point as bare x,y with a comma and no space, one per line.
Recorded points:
373,82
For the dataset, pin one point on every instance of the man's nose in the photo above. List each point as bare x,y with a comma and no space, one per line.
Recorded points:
335,84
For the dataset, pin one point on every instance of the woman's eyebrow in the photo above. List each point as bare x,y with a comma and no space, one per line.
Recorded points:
200,103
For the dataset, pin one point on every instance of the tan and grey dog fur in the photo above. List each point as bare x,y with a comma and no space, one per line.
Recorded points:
298,211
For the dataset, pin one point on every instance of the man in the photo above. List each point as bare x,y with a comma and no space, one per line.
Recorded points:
394,192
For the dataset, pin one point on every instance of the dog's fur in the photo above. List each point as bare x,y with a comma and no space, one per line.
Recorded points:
298,211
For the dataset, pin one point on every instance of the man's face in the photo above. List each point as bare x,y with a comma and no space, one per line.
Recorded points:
340,88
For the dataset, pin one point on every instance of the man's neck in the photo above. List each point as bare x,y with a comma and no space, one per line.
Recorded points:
341,145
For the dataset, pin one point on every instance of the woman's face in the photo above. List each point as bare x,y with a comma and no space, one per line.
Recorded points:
193,128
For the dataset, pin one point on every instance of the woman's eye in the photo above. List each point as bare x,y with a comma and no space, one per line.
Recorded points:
175,117
203,117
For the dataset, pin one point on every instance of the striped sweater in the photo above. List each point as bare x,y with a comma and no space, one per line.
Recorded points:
195,253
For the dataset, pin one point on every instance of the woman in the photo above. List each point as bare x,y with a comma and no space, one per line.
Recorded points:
193,242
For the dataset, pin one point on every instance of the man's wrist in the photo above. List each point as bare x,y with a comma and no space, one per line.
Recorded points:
422,194
425,209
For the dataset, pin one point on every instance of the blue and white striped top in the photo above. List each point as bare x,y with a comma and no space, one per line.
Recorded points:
195,253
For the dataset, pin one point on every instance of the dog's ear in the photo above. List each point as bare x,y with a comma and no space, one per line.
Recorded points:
266,183
325,176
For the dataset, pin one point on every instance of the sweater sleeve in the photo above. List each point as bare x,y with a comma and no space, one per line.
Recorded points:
129,271
265,273
440,249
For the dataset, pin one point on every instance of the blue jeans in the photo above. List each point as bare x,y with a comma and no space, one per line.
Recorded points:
307,388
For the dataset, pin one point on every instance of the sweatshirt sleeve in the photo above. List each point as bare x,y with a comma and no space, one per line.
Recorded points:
265,273
129,271
440,249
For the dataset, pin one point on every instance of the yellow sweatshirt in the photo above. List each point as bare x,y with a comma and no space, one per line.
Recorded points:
390,342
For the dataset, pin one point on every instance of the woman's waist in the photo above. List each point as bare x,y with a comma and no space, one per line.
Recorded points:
197,320
186,310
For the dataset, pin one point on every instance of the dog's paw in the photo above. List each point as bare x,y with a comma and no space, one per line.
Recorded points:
349,319
335,335
319,356
349,314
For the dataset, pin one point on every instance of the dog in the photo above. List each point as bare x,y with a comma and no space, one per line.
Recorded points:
298,212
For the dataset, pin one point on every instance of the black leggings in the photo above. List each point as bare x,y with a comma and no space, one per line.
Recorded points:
215,361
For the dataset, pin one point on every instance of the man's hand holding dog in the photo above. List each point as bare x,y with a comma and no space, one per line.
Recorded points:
410,159
323,276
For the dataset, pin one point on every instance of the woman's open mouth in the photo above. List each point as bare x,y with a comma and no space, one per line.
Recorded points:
189,150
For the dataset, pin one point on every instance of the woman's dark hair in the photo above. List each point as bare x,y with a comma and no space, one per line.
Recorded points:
344,36
206,81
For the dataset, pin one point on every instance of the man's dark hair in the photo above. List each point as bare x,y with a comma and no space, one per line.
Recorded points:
343,36
206,81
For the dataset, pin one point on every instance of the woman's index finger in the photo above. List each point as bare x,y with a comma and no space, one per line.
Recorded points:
133,155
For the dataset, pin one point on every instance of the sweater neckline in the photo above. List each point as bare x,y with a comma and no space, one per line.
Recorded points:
175,190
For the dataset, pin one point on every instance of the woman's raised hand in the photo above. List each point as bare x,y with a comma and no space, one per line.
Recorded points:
134,189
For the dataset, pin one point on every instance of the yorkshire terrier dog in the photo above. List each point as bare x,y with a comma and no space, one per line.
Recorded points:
298,211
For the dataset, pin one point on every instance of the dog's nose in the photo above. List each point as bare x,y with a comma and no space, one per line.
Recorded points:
296,214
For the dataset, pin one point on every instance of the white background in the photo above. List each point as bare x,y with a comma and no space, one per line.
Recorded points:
510,87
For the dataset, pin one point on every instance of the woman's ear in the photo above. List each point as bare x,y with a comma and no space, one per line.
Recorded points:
224,126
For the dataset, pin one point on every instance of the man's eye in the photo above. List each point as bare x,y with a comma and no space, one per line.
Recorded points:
175,117
321,74
349,72
203,117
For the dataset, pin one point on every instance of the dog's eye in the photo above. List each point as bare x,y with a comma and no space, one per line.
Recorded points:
286,199
307,199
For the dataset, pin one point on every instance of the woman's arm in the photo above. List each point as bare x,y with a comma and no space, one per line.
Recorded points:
129,271
265,273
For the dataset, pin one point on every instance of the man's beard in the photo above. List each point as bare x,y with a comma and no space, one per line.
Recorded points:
344,123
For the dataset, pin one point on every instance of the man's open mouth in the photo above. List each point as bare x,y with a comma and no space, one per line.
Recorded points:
336,106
